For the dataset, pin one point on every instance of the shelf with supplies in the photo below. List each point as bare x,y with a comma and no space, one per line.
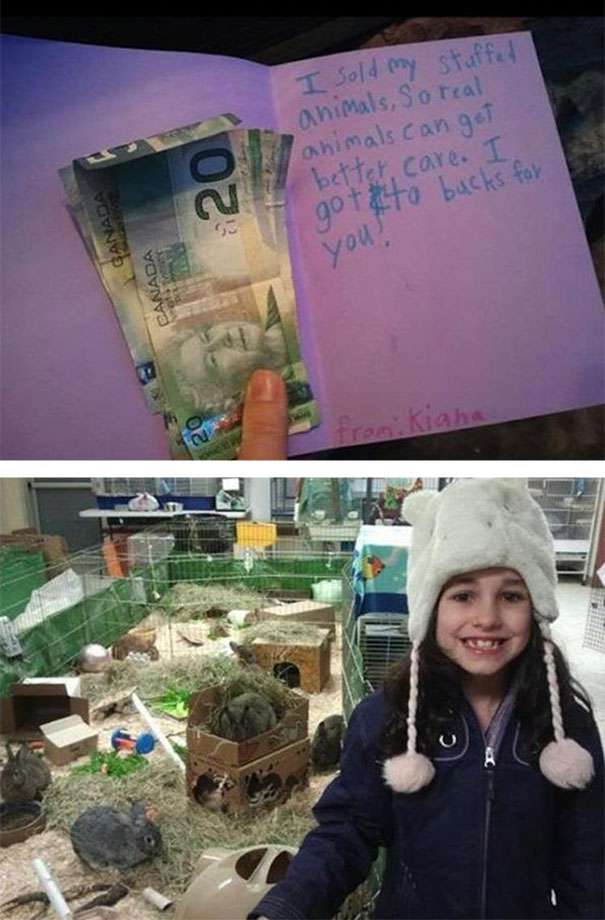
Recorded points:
108,513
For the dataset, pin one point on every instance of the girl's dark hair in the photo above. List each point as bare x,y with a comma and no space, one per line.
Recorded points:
440,689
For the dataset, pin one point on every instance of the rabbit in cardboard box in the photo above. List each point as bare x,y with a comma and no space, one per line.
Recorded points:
245,716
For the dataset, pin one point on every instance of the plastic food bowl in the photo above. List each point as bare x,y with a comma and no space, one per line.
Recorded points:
19,820
327,592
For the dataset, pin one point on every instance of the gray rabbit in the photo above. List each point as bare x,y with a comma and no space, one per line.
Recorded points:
246,716
103,836
24,777
246,656
327,743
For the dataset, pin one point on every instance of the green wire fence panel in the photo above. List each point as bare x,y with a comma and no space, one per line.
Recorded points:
354,684
20,574
52,629
51,646
284,574
355,687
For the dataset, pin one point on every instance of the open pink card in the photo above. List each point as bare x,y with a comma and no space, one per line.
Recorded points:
441,268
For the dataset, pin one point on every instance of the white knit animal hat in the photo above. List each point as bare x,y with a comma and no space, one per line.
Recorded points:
476,524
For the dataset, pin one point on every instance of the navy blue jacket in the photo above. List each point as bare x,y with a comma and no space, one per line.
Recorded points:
481,840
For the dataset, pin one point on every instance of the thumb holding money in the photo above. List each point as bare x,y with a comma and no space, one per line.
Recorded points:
265,419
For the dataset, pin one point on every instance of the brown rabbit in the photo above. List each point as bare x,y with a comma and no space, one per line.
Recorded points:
24,777
137,640
245,656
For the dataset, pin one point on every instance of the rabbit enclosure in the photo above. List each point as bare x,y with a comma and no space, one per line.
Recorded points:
173,592
187,576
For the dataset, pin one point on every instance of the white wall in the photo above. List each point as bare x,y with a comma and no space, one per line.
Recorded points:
15,510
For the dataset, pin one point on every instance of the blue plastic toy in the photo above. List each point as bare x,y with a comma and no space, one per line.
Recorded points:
121,740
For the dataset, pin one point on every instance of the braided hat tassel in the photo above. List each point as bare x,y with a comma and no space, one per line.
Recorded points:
411,771
563,761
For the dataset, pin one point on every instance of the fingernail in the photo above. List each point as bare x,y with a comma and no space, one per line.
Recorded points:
264,386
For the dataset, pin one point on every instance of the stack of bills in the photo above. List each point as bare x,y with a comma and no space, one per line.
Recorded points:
187,232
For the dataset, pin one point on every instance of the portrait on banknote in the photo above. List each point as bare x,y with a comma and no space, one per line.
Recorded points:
210,362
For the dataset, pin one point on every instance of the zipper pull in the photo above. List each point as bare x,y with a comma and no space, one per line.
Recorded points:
489,757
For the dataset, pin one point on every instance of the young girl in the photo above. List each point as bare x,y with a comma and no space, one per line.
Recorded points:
478,766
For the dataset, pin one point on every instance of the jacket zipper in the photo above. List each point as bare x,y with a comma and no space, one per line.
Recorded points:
489,764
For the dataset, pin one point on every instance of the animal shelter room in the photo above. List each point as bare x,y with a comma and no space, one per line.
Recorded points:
193,672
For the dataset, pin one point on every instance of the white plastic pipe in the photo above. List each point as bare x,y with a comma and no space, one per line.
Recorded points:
45,876
157,731
158,900
239,617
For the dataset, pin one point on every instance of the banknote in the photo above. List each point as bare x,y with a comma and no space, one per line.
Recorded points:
269,167
208,275
176,444
275,169
277,149
78,216
75,206
98,213
178,448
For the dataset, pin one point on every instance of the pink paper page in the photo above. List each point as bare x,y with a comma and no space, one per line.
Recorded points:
69,390
442,271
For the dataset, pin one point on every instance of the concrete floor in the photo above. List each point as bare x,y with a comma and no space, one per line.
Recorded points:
587,664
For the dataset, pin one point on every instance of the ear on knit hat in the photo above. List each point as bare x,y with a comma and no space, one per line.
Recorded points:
473,525
416,504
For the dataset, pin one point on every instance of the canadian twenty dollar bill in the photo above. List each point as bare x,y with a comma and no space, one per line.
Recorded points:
208,274
92,192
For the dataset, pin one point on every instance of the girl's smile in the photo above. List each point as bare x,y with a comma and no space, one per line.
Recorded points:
483,646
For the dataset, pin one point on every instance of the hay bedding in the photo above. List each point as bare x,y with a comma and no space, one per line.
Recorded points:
283,633
186,829
189,601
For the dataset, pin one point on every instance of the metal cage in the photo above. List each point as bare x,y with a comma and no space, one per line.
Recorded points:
382,640
104,591
594,635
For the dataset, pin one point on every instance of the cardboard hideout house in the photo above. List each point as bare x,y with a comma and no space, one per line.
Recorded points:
242,777
35,702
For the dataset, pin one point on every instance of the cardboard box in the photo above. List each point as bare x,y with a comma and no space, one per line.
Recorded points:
263,783
73,685
31,705
307,663
223,753
67,739
316,613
